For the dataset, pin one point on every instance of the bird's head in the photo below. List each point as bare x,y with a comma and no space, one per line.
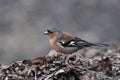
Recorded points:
53,32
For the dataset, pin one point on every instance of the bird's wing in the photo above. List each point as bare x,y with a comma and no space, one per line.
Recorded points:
76,42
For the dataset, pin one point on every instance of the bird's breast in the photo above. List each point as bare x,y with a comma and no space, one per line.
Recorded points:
55,45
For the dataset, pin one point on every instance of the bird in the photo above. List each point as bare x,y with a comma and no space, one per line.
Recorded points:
67,43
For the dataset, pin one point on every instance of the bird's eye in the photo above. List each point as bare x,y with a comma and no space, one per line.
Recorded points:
50,31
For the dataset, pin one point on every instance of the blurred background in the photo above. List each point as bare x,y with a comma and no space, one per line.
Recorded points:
22,23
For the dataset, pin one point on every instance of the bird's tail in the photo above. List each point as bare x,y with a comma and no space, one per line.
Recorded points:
101,45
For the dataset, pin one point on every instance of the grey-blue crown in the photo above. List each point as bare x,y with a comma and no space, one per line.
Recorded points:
52,29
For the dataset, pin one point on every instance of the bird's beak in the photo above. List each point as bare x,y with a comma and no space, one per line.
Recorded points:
46,33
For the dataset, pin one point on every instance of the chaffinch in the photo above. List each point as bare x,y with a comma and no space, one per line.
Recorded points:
67,43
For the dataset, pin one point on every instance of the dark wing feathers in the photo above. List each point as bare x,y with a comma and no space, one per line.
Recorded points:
77,42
